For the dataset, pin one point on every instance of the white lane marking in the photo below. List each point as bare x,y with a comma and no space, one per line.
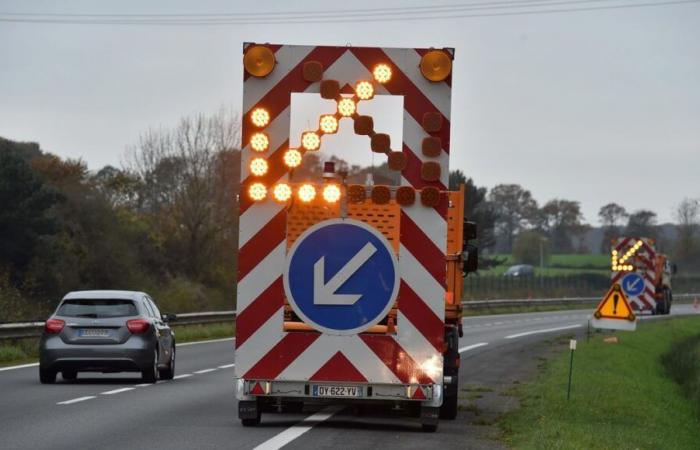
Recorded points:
184,375
143,385
21,366
297,430
204,371
210,341
227,366
76,400
473,346
548,330
117,391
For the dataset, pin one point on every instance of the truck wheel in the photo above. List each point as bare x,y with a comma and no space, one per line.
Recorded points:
251,422
448,410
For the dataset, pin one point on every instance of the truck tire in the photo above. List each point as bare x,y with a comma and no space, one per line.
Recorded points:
429,428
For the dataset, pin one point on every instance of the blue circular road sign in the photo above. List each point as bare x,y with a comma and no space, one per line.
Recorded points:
632,284
341,276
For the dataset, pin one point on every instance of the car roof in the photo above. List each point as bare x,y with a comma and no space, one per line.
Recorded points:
128,295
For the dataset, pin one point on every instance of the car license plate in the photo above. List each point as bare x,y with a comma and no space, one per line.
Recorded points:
93,332
336,391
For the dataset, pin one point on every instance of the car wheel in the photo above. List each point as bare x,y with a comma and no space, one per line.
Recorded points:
150,375
69,375
169,373
47,376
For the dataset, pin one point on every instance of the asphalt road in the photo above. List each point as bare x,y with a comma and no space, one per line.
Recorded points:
198,409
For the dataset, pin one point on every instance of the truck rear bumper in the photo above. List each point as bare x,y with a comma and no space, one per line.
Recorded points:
429,394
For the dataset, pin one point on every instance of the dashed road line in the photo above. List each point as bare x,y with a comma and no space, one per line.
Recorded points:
117,391
205,342
227,366
472,347
184,375
204,371
297,430
76,400
548,330
21,366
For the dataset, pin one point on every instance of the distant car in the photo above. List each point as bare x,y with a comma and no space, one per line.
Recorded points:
107,331
521,270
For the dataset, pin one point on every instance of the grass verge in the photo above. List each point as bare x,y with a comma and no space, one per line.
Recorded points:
683,365
522,309
23,351
621,396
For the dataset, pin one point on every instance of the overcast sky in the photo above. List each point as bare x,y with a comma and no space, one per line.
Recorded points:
593,106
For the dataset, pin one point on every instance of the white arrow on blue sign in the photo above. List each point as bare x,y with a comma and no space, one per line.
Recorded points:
341,276
633,284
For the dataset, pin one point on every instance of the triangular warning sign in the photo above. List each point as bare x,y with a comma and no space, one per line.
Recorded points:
338,368
257,390
614,312
418,395
614,306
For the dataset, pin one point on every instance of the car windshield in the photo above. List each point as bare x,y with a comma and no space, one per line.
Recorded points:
97,308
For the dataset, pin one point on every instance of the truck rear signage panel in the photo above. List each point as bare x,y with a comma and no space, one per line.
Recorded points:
341,277
633,284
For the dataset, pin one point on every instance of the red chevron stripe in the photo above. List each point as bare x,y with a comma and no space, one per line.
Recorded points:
260,245
622,244
259,311
278,98
422,317
415,101
423,249
281,355
338,368
396,359
412,172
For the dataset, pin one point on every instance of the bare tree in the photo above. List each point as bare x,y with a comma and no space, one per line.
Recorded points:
190,182
611,217
687,214
515,209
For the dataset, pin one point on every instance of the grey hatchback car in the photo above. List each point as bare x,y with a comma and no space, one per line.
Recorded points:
107,331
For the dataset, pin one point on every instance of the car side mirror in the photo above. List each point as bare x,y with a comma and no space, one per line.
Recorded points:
169,317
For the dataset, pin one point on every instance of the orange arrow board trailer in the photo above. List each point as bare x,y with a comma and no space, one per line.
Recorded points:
614,312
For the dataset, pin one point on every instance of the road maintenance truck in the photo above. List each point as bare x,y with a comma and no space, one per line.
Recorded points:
349,293
643,274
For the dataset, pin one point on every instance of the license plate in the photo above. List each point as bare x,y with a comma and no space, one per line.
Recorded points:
336,391
93,332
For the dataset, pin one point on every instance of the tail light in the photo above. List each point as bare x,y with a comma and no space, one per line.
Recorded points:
54,326
137,326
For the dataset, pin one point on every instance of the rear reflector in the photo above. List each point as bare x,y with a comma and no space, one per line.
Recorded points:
137,326
54,326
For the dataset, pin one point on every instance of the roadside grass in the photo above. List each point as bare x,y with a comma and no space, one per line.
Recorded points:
204,332
558,265
622,396
23,351
522,309
683,366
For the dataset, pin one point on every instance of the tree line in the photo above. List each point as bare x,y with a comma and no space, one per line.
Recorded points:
166,221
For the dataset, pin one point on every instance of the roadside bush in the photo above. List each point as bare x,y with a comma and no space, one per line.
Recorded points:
683,366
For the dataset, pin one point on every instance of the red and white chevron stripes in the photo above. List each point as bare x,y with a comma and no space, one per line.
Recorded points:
644,265
414,354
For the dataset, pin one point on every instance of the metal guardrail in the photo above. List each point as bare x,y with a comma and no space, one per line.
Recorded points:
19,330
